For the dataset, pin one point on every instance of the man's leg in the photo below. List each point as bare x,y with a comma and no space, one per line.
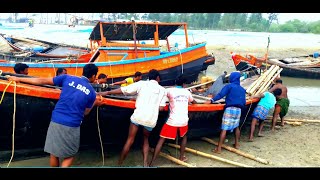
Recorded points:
221,140
133,129
183,148
236,138
276,113
253,126
67,162
54,161
145,148
282,120
157,150
260,128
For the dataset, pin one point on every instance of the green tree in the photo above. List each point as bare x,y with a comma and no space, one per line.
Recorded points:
271,18
213,20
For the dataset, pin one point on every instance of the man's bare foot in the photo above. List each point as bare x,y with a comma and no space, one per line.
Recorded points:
278,127
250,140
236,146
145,164
184,159
282,124
217,151
260,135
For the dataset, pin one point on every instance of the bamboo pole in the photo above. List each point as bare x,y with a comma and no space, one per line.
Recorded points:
269,76
175,160
293,123
265,80
261,77
298,120
265,87
253,84
259,80
208,82
244,154
210,156
201,97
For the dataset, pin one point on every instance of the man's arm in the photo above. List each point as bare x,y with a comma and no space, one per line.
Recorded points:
34,81
261,95
273,88
119,82
97,102
115,91
87,111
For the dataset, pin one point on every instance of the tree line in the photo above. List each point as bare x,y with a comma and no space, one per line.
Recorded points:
254,22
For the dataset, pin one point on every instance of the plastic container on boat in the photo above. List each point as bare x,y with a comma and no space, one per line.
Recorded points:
38,49
315,54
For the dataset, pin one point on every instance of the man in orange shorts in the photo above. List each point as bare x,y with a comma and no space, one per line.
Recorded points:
179,99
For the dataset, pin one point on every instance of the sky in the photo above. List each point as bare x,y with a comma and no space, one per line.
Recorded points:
283,17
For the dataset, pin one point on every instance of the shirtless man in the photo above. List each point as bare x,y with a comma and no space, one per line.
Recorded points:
282,105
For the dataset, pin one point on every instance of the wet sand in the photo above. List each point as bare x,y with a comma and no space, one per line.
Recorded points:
289,146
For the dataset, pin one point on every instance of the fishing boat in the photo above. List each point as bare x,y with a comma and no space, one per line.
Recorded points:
120,49
301,67
28,49
29,107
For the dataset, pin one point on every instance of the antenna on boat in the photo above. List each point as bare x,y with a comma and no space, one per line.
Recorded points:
266,55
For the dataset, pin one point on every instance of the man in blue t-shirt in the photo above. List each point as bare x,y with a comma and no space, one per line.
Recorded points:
76,100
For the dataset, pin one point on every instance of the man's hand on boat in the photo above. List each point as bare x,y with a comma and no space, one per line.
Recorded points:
14,78
98,101
210,102
103,93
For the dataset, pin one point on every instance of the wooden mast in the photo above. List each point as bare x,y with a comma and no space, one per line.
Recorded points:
103,39
186,33
134,38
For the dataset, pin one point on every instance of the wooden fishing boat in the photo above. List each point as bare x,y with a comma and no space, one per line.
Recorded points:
292,67
28,49
120,49
34,105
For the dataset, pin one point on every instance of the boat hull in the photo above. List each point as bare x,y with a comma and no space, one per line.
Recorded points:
189,61
300,72
33,115
289,71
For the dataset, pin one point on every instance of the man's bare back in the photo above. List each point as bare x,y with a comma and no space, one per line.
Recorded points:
284,89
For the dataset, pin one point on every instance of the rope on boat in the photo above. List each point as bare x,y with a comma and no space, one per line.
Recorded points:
76,69
54,69
246,115
110,71
101,144
14,115
181,61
